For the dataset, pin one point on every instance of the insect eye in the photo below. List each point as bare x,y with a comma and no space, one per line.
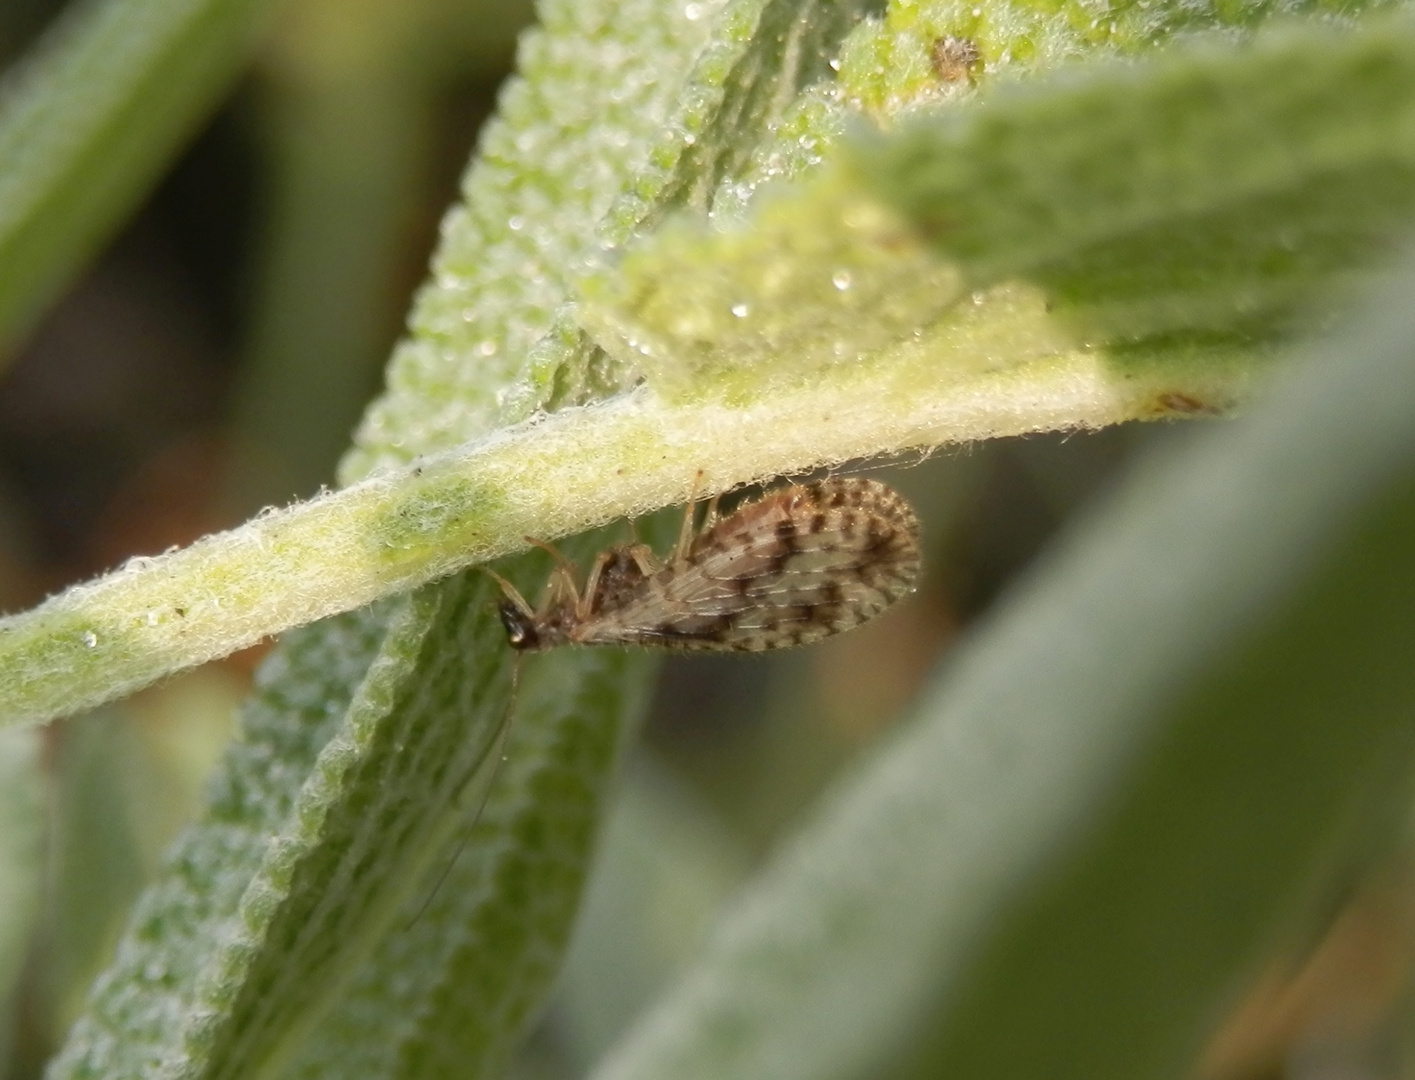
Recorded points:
518,632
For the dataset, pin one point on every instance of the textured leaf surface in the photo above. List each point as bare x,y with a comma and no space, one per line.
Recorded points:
22,828
1171,223
309,951
1219,200
1184,727
597,84
90,119
146,1004
652,142
505,950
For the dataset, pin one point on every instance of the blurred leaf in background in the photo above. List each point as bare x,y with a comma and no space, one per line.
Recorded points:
364,112
22,861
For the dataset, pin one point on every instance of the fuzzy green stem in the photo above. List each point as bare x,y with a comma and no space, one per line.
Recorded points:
571,472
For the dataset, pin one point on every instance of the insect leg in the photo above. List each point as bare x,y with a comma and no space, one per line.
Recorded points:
582,603
711,519
686,531
562,578
644,558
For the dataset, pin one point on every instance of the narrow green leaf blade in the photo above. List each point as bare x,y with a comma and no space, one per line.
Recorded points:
89,120
1219,191
22,864
506,951
686,93
143,1006
348,811
597,84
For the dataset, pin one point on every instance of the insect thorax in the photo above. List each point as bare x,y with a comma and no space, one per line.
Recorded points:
533,632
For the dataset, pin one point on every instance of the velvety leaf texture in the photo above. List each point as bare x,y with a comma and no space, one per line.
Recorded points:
307,902
1203,201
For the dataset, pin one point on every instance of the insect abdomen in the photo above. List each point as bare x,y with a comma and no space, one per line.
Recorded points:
795,566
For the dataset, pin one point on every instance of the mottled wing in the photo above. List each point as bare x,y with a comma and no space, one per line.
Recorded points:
795,566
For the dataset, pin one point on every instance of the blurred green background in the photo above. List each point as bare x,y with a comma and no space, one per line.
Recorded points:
214,360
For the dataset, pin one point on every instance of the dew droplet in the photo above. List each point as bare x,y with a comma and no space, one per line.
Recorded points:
90,639
841,279
516,224
693,12
741,310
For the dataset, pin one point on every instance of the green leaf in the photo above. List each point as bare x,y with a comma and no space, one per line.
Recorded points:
454,993
1218,198
96,869
1126,242
89,120
889,67
350,831
190,921
1173,740
658,143
500,275
22,830
288,932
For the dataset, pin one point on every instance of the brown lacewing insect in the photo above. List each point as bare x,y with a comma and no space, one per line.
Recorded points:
796,565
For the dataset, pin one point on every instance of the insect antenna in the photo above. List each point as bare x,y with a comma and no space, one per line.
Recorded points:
510,591
497,747
562,579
